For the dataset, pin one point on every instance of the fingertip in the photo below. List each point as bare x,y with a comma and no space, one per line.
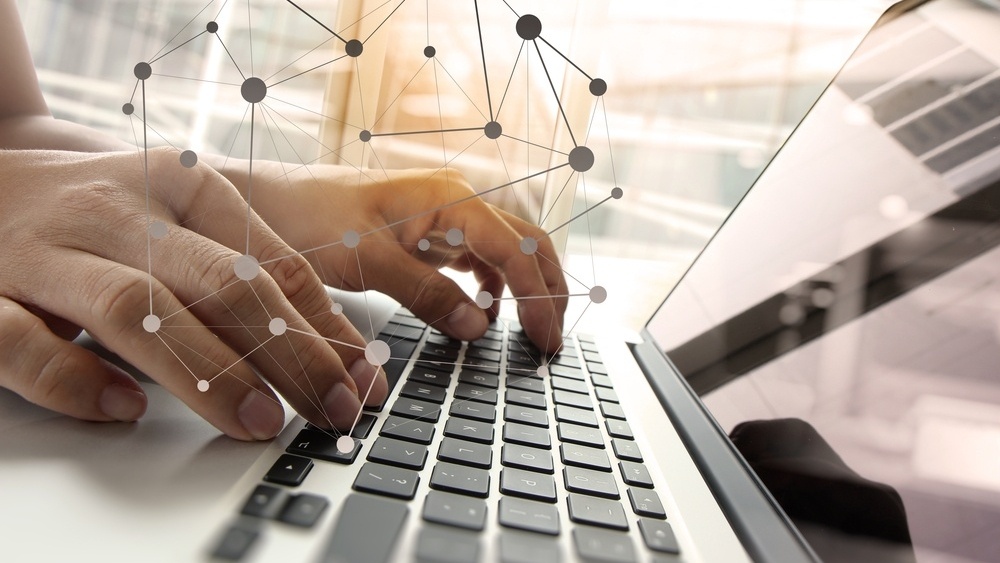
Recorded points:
372,384
123,403
261,416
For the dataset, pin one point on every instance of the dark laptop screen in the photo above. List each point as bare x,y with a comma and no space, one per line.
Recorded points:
843,327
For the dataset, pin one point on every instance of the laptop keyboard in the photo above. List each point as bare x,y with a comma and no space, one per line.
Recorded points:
460,415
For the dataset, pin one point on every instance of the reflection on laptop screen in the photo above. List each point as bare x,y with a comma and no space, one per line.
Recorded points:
851,305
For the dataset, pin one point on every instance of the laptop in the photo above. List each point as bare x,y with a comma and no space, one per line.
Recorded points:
819,385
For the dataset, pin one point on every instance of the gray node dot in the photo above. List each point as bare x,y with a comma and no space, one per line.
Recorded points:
277,326
617,193
598,87
354,48
212,27
203,385
529,245
128,109
158,230
493,130
345,444
424,245
151,323
454,237
365,136
484,300
246,267
352,239
529,27
337,309
189,159
429,52
581,159
598,294
253,90
143,71
377,352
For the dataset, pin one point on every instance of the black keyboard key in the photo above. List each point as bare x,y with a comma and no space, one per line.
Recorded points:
576,400
431,376
265,502
364,426
612,410
635,474
394,331
407,320
455,510
515,433
425,361
460,479
432,352
619,429
646,503
659,536
606,395
521,357
574,374
235,543
626,450
582,435
571,385
521,547
526,383
303,510
320,445
485,366
529,515
585,509
466,453
399,453
527,484
590,482
483,354
407,429
601,381
467,392
472,430
474,411
441,340
586,457
385,480
487,344
351,539
526,415
524,457
576,416
525,398
446,545
604,546
416,409
423,391
289,470
477,378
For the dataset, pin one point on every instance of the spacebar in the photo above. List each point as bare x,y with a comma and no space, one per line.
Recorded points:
366,530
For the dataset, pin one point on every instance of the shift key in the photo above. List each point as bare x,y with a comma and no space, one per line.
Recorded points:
352,535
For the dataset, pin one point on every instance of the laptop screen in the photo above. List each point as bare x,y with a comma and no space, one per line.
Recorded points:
843,326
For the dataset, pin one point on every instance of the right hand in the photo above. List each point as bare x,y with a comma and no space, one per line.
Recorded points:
73,253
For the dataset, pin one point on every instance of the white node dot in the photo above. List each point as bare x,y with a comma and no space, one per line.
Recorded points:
246,267
529,246
151,323
543,371
336,308
484,299
203,385
277,326
345,444
424,245
454,237
352,239
377,352
598,294
158,230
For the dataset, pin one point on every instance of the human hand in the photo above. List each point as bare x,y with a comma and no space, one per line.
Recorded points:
73,253
368,235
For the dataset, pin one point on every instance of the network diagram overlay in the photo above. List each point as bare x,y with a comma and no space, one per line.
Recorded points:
261,91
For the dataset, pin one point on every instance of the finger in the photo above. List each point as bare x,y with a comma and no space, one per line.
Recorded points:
490,281
60,376
547,259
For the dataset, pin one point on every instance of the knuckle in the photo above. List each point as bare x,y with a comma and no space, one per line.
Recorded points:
293,273
50,379
120,298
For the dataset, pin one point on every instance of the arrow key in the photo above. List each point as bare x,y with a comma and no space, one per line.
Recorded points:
399,453
289,470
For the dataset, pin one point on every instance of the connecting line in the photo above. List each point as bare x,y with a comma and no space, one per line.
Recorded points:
401,2
510,80
321,24
536,145
312,112
565,58
401,133
304,55
156,56
145,171
540,297
364,17
134,90
306,71
330,340
217,36
581,214
236,136
607,129
157,333
195,79
250,37
482,51
512,8
213,294
253,112
438,62
554,93
245,356
393,102
178,47
556,200
144,124
563,270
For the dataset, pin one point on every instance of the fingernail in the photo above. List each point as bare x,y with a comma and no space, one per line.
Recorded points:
122,403
341,406
368,377
261,416
467,322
